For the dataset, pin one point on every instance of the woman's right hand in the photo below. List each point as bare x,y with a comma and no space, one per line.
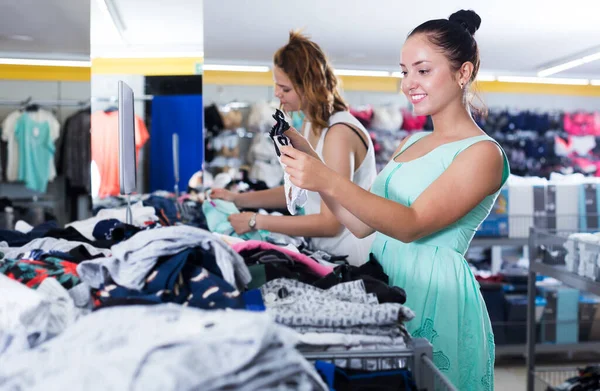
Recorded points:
300,143
222,194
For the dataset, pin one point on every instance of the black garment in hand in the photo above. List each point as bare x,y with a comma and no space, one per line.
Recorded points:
373,276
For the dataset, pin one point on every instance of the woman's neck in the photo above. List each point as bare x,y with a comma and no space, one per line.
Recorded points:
453,120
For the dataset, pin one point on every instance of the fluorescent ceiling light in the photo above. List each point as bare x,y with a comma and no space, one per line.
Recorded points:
198,54
235,68
109,9
595,82
569,64
542,80
48,63
354,72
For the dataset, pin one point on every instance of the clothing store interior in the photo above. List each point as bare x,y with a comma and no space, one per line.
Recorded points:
147,148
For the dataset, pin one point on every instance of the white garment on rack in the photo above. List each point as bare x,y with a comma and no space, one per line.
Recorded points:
345,243
8,135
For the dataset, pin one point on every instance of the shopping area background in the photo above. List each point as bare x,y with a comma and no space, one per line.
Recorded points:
207,76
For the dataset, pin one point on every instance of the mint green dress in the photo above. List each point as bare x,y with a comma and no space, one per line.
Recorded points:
440,287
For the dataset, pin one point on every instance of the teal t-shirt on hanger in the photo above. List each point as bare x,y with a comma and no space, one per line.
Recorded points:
36,149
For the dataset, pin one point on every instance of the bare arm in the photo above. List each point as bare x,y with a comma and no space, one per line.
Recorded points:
269,199
430,212
354,225
338,154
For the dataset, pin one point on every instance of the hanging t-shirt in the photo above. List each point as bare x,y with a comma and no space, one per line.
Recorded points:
8,135
105,148
36,150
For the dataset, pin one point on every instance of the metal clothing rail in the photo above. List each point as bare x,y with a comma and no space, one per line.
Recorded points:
44,102
115,99
416,357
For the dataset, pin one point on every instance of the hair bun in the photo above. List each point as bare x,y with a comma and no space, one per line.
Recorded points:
468,19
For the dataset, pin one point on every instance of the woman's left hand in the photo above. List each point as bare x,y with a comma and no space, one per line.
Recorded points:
239,222
305,171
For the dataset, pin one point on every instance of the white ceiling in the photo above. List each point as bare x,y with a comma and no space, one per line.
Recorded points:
56,28
63,29
151,26
516,36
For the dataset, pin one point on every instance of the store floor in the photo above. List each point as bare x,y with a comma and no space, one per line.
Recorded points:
510,373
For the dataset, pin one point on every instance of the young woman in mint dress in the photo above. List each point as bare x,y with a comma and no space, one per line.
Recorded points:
427,203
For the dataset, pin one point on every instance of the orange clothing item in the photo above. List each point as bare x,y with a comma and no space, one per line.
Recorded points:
105,148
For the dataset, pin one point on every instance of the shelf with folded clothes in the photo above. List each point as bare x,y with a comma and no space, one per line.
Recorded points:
569,259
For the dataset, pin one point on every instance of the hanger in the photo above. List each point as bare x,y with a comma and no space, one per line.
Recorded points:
111,109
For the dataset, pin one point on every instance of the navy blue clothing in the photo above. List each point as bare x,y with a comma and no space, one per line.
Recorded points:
19,239
166,210
190,278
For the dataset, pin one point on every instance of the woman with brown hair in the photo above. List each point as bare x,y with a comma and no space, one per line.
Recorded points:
304,81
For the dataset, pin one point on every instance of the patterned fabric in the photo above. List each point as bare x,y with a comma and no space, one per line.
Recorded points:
345,305
180,279
35,266
392,331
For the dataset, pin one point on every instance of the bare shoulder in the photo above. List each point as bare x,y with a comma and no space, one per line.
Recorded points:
483,160
485,152
341,135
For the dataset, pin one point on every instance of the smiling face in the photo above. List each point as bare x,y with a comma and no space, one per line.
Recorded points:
428,81
285,92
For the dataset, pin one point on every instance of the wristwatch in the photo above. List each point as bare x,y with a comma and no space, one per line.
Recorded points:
252,222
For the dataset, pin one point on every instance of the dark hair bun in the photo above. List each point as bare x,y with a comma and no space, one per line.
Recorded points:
468,19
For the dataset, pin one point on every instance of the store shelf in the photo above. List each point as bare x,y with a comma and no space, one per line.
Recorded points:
562,274
551,240
487,242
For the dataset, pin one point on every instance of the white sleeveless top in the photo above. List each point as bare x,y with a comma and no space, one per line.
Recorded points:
345,243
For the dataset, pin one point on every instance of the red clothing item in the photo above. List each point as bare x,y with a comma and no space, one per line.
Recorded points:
105,148
411,122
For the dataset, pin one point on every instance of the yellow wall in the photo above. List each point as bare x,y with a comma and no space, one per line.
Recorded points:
147,66
44,73
191,66
392,84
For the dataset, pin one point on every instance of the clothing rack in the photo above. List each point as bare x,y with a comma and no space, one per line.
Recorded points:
44,102
116,99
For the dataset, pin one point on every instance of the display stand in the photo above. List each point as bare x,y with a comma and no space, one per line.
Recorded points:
538,238
416,357
127,155
176,162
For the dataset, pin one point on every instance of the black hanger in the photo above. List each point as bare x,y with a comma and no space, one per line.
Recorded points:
32,107
111,109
